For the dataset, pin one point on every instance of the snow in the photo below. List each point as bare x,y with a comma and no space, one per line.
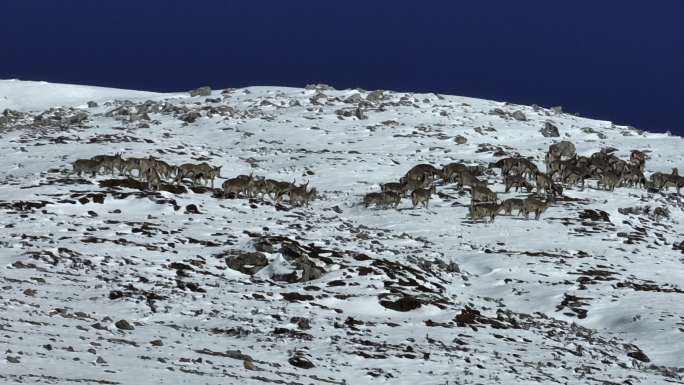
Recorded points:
35,96
522,268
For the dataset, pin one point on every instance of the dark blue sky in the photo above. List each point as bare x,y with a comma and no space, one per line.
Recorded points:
616,60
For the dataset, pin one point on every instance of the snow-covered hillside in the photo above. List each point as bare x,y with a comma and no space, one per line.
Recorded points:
104,282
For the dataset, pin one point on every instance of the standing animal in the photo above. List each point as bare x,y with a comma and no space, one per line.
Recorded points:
110,162
300,196
391,199
396,187
534,205
468,179
382,199
153,179
237,186
374,198
86,166
511,204
609,180
544,183
484,210
639,159
422,195
482,194
136,164
198,172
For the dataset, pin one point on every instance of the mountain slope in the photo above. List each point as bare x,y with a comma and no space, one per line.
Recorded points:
400,296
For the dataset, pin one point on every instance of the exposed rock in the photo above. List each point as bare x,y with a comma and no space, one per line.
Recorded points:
406,303
300,361
550,130
460,139
594,215
247,263
639,355
124,325
202,91
190,117
376,96
292,297
191,209
519,115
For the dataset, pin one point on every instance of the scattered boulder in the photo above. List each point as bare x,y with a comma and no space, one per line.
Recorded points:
191,209
563,149
550,130
292,297
190,117
519,115
403,304
123,325
300,361
594,215
376,96
639,356
248,262
202,91
460,139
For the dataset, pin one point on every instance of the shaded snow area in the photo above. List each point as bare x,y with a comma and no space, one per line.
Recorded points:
105,281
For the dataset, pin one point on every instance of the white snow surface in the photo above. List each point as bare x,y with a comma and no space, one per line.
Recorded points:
62,261
22,95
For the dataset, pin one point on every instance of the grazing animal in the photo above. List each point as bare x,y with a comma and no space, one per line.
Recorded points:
280,188
423,169
86,166
395,187
511,204
484,210
452,170
518,182
422,195
374,198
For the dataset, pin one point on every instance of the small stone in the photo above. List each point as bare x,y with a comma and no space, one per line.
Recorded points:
191,209
124,325
13,360
460,139
157,343
100,360
301,362
92,104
